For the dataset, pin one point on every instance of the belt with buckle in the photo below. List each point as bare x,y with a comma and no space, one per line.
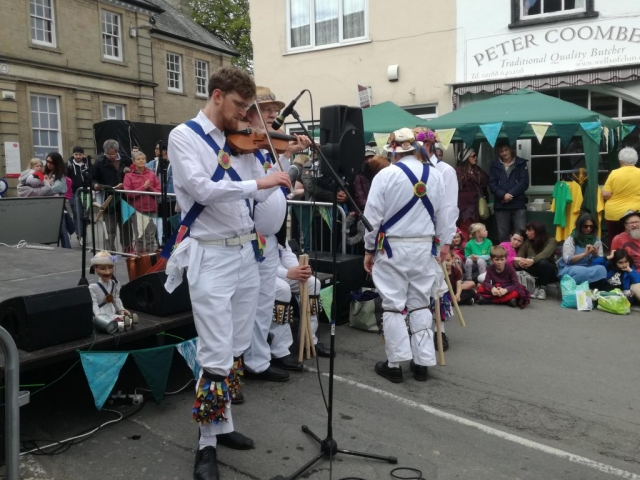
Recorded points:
230,242
421,239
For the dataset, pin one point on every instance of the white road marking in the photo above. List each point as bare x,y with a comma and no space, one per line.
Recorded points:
601,467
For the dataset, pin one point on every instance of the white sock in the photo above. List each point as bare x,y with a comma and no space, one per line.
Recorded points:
207,441
394,364
442,327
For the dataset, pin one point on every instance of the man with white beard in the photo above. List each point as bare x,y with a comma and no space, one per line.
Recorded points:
630,239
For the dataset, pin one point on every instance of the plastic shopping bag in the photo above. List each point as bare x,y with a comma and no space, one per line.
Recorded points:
614,302
569,288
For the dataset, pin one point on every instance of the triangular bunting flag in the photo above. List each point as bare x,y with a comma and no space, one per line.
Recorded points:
467,134
188,351
594,130
326,295
491,132
381,140
540,129
445,137
154,364
102,370
566,132
127,210
626,130
513,131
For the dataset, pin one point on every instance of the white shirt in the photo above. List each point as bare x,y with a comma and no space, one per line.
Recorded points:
451,212
98,296
288,260
226,214
391,190
270,214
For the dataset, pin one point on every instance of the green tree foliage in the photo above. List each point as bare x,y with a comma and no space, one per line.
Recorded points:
229,21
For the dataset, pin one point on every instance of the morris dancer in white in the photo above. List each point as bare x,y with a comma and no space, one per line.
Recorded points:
403,203
269,218
450,209
290,274
215,188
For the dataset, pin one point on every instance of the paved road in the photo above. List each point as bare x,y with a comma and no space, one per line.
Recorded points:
544,393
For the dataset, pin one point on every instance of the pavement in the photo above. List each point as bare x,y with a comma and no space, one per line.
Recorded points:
540,393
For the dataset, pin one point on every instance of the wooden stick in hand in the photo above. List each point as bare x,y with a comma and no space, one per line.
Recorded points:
453,295
439,333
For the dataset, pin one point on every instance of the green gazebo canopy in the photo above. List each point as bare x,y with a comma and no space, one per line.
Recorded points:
387,117
530,114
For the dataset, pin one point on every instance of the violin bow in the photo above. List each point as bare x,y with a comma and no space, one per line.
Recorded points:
264,125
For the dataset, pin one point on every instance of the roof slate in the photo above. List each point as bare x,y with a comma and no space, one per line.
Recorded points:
175,24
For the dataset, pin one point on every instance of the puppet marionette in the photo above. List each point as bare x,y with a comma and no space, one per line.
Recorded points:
105,293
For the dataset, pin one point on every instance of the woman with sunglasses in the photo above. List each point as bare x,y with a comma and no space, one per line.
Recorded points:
582,256
472,182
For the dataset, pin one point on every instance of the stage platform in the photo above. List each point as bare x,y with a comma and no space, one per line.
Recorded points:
27,272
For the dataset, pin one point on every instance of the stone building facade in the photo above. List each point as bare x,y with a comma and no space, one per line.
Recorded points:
67,64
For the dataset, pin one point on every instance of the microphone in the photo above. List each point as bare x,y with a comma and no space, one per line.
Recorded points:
277,123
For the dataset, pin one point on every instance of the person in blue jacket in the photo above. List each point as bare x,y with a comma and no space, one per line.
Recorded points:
508,181
623,275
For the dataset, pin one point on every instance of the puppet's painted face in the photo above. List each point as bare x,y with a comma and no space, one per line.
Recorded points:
105,272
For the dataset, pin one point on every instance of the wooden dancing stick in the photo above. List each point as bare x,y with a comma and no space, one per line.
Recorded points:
439,333
304,311
453,295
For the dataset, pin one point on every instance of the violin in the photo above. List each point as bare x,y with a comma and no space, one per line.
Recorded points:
248,140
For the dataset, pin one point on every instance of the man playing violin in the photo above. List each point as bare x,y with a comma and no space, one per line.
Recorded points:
221,251
261,360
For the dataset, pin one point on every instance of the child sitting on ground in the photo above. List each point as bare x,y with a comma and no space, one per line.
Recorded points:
501,282
515,241
457,246
477,250
623,275
463,289
31,181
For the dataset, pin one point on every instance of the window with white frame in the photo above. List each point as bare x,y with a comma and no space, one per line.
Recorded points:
45,124
43,31
202,77
111,36
174,72
113,111
532,12
550,158
425,112
321,23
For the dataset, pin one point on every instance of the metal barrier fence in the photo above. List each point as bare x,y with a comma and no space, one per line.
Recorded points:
12,403
129,223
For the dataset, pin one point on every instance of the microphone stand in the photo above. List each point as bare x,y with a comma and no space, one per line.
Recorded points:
86,216
328,446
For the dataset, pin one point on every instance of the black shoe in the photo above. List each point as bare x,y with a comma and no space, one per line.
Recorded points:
288,362
206,467
419,372
235,441
512,303
392,374
271,374
323,351
237,399
445,342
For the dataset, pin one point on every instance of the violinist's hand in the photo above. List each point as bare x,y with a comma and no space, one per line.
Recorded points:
301,143
276,179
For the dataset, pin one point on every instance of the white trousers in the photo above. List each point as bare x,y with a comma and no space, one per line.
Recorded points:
223,286
258,354
405,280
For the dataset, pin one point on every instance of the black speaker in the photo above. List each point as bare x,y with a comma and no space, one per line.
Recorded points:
350,273
147,294
342,138
46,319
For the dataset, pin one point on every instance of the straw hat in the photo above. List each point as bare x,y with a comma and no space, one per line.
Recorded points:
265,96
